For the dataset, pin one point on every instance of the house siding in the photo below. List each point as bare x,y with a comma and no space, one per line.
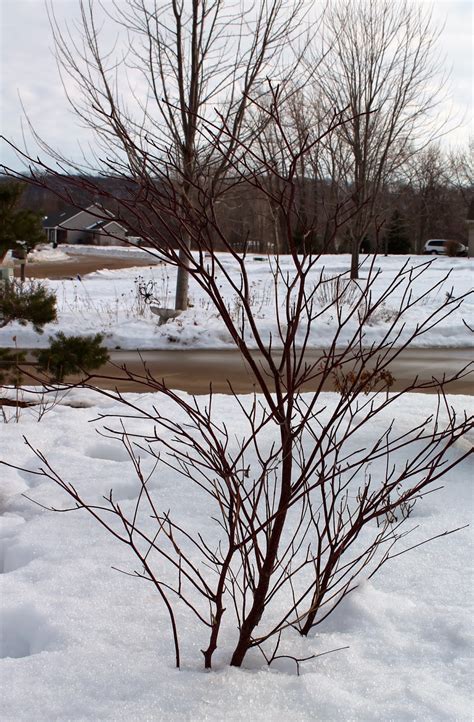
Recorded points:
112,235
76,226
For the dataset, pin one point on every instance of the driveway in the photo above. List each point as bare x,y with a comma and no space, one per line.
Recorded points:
79,265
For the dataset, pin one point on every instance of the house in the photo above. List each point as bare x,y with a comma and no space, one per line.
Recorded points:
94,226
470,228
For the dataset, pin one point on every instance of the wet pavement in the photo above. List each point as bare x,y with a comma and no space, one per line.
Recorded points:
195,371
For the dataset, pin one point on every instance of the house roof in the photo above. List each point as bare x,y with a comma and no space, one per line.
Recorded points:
55,219
58,219
98,225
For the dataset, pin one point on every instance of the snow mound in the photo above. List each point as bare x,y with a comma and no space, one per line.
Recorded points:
46,254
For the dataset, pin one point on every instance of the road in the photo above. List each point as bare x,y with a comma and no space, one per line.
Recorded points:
194,371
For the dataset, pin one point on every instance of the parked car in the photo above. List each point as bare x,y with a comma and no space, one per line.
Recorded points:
440,246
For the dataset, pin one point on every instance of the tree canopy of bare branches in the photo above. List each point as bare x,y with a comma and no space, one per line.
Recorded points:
175,65
382,70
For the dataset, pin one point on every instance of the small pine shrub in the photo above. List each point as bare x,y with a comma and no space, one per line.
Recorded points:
27,303
68,355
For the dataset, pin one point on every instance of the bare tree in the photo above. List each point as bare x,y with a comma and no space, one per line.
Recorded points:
461,171
383,71
425,174
433,187
321,193
179,63
318,201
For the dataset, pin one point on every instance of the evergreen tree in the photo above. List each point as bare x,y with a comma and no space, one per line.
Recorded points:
27,303
396,237
16,224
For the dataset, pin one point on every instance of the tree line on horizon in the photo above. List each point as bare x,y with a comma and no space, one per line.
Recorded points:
429,198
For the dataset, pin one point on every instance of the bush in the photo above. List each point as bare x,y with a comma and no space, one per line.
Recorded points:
452,248
361,381
337,291
27,303
71,355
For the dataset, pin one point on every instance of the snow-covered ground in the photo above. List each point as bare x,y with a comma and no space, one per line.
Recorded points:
109,302
84,642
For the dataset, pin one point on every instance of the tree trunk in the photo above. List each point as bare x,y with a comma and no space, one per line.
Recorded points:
260,595
182,281
355,260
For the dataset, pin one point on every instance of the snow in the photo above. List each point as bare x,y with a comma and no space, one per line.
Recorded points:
130,251
84,642
108,301
47,254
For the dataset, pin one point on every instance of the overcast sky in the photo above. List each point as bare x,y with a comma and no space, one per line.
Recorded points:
28,71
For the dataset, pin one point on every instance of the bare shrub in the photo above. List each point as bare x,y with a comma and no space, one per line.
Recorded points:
353,382
337,290
301,503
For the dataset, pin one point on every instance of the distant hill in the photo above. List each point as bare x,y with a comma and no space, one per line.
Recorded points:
47,200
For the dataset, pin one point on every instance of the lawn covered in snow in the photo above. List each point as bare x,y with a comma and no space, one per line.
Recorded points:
109,302
84,642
